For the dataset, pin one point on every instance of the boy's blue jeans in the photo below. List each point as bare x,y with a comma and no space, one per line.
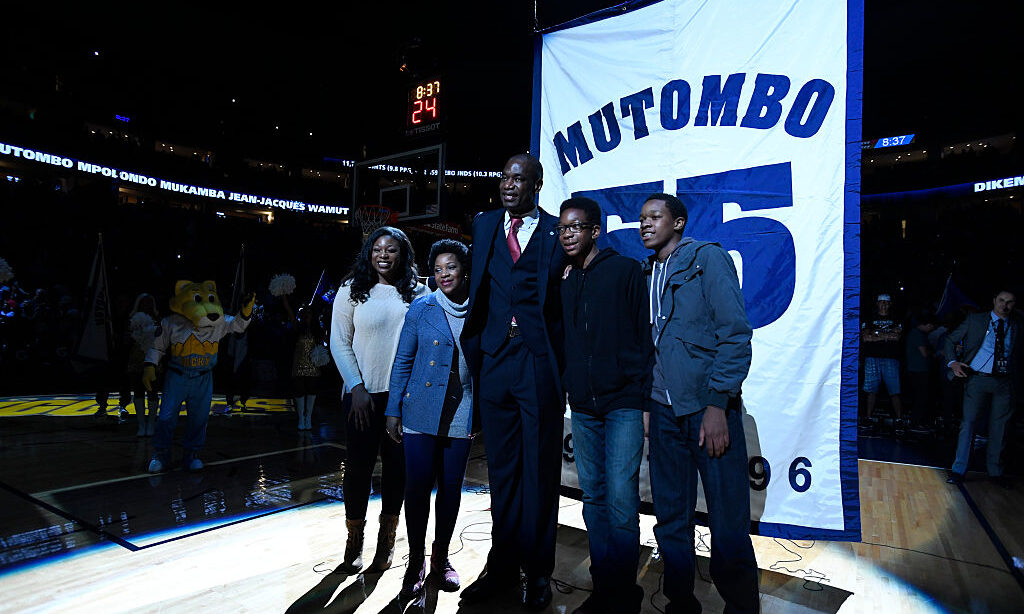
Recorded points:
608,450
675,461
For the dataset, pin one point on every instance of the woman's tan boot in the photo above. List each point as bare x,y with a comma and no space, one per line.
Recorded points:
354,545
385,543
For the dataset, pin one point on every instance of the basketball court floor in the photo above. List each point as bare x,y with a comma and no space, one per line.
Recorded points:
84,528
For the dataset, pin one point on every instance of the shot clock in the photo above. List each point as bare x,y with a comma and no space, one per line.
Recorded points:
423,112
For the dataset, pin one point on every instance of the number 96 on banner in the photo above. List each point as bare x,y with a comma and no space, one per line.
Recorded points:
758,468
760,471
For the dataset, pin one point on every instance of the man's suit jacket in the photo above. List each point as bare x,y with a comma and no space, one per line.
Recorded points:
488,235
972,333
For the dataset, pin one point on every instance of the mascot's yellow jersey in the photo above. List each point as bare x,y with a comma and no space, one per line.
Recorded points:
191,349
193,332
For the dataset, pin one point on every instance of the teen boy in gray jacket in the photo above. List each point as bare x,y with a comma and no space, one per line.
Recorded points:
702,355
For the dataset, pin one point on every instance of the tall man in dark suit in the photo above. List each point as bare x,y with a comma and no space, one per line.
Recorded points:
989,362
513,344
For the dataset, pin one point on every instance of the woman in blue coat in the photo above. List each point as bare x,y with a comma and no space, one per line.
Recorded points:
430,411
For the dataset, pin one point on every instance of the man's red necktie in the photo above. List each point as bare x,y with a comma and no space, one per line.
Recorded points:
513,239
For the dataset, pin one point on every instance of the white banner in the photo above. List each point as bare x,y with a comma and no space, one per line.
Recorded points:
750,112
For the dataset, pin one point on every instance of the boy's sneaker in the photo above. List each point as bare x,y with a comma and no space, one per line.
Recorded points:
627,600
195,464
156,465
594,604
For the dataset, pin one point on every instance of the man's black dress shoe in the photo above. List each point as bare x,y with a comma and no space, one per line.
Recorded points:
537,595
955,478
487,586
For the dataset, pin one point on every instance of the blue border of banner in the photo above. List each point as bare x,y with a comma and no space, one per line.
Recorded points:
848,460
848,469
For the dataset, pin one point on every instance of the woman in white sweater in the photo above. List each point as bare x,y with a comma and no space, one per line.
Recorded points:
369,311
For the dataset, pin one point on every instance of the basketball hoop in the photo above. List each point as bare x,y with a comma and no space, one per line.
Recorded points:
372,217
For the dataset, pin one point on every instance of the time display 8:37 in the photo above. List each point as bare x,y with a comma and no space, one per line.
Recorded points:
423,107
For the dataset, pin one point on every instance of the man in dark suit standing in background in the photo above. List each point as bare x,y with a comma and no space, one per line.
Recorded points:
989,363
513,344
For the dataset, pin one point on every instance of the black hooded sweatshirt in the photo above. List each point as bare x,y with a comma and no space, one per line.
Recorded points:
608,347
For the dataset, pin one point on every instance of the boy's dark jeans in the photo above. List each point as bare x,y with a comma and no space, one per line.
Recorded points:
675,461
608,450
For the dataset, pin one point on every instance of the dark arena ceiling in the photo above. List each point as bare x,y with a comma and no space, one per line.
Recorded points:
260,81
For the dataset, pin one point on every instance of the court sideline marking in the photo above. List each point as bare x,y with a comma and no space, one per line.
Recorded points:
1000,548
209,464
69,516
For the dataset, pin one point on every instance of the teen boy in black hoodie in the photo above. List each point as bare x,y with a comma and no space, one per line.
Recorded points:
609,353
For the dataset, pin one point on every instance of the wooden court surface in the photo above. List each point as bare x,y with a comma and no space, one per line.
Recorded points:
84,529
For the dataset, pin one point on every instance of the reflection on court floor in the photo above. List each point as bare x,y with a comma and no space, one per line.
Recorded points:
262,528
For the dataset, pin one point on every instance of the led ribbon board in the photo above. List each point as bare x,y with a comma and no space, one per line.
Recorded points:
127,177
750,112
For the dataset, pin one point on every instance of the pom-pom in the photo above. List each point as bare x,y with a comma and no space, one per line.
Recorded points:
320,356
6,272
282,284
142,328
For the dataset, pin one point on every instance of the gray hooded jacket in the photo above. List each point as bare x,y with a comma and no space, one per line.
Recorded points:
700,326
